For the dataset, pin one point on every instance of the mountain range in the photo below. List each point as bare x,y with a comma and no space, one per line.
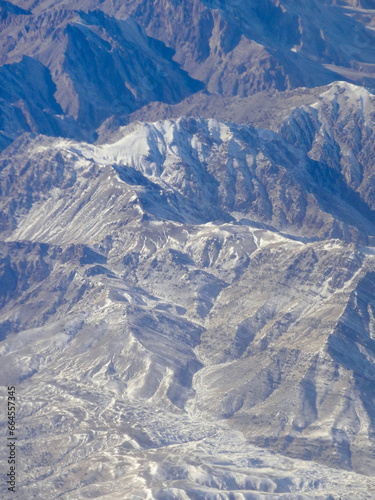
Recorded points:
187,250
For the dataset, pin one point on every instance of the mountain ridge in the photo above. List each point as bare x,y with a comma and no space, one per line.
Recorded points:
187,248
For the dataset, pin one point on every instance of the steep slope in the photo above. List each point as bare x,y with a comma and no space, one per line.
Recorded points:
197,270
280,366
80,69
27,102
242,46
313,178
102,345
187,264
104,65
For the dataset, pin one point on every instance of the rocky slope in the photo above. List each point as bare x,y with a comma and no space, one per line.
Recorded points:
187,258
191,287
98,63
312,177
64,72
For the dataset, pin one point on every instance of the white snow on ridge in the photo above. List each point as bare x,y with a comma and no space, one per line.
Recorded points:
228,314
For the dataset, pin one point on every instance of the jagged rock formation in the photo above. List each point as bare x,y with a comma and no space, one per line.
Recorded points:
206,269
80,69
97,53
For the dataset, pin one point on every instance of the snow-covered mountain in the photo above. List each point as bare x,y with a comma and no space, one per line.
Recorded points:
312,177
187,260
215,273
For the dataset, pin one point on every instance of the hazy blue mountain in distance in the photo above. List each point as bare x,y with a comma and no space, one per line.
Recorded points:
187,248
96,54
